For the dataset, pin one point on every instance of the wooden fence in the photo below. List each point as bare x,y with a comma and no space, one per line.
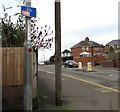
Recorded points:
13,77
12,66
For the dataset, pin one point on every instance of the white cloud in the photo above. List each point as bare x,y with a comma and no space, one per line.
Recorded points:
82,14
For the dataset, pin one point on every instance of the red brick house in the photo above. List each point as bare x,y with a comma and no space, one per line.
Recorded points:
114,43
114,55
87,46
88,51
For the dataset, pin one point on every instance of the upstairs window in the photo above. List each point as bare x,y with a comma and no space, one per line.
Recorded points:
97,49
83,48
87,48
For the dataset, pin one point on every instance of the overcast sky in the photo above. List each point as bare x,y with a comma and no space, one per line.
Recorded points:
96,19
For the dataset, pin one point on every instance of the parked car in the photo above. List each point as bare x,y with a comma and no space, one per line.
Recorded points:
70,63
41,63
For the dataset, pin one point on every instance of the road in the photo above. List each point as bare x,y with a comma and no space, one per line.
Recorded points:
104,77
96,90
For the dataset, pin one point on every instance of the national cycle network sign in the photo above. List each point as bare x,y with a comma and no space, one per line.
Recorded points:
28,11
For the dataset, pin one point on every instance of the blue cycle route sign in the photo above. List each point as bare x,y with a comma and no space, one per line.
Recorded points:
28,11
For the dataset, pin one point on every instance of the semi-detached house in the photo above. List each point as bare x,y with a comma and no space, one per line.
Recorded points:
88,51
87,48
115,44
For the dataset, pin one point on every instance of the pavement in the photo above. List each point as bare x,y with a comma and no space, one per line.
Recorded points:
77,95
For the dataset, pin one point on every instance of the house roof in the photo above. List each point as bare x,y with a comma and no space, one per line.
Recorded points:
114,42
66,51
87,43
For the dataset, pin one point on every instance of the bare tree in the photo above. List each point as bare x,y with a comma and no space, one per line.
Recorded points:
40,37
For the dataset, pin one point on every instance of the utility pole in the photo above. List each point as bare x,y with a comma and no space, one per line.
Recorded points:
28,64
58,76
0,29
0,65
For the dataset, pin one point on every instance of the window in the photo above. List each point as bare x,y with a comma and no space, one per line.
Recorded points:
83,48
66,54
87,48
96,49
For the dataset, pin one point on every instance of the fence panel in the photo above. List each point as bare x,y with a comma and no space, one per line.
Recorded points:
12,66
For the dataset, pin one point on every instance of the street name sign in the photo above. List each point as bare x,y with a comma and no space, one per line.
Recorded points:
28,11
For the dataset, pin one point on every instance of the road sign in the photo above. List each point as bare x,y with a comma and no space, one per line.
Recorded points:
28,11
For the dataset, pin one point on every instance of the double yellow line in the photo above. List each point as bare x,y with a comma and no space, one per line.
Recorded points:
105,87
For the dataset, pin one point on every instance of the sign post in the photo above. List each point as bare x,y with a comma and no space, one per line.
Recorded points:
28,12
28,76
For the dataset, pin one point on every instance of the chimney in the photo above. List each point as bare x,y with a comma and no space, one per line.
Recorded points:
87,39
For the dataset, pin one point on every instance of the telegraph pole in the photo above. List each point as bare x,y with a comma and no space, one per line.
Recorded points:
0,29
28,64
1,65
58,76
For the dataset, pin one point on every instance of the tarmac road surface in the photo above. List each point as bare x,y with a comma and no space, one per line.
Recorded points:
107,77
80,90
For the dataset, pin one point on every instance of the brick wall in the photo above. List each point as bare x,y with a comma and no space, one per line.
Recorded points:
93,60
108,64
115,57
76,51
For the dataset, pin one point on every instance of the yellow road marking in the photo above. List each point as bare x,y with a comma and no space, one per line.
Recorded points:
111,89
115,90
